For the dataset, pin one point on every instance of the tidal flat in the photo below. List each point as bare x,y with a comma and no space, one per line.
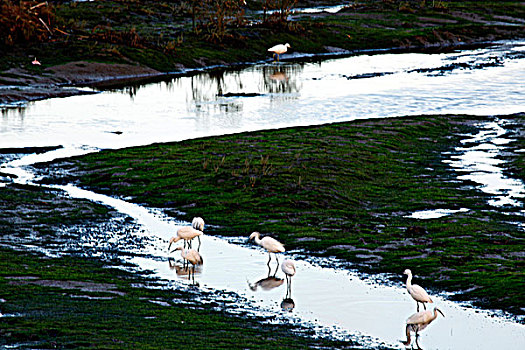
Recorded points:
54,295
345,189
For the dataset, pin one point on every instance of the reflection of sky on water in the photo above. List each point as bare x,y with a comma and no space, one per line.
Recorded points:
481,164
486,81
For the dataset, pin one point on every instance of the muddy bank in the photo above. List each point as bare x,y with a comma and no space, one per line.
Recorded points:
62,80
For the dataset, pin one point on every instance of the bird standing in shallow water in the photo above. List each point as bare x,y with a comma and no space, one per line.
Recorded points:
279,49
270,244
193,257
288,267
188,233
416,292
419,321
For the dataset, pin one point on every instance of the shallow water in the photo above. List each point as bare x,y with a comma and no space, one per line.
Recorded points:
479,160
485,81
329,297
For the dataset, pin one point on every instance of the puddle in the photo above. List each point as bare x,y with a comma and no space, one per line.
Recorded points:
479,162
435,213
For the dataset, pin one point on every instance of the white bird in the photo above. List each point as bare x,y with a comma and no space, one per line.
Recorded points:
192,256
270,244
416,292
279,49
198,224
419,321
288,267
187,234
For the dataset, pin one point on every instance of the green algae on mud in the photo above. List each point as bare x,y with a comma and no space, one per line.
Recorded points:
77,301
341,189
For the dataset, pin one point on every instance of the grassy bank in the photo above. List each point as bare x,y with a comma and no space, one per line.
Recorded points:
76,301
340,189
159,34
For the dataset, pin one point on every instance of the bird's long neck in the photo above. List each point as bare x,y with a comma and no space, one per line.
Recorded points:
409,280
257,240
434,315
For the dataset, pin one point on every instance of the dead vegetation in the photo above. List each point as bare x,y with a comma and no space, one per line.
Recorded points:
27,21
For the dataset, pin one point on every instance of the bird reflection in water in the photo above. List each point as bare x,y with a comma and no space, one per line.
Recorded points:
287,304
282,79
267,283
182,270
418,322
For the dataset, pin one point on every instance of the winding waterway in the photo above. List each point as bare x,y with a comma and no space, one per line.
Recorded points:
484,82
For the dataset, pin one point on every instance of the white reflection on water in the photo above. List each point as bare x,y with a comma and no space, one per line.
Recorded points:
485,81
435,213
480,163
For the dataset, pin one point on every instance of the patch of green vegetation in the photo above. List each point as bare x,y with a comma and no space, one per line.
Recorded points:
81,303
347,187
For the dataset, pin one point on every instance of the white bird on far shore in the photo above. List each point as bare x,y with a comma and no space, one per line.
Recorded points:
279,49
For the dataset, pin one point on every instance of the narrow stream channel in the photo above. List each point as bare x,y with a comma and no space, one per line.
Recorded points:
298,94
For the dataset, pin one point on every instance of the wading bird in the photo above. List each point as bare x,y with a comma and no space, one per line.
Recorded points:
288,267
278,50
198,223
270,244
419,321
192,256
36,62
416,292
188,233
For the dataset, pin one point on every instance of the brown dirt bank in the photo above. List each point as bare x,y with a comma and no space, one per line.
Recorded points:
58,81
